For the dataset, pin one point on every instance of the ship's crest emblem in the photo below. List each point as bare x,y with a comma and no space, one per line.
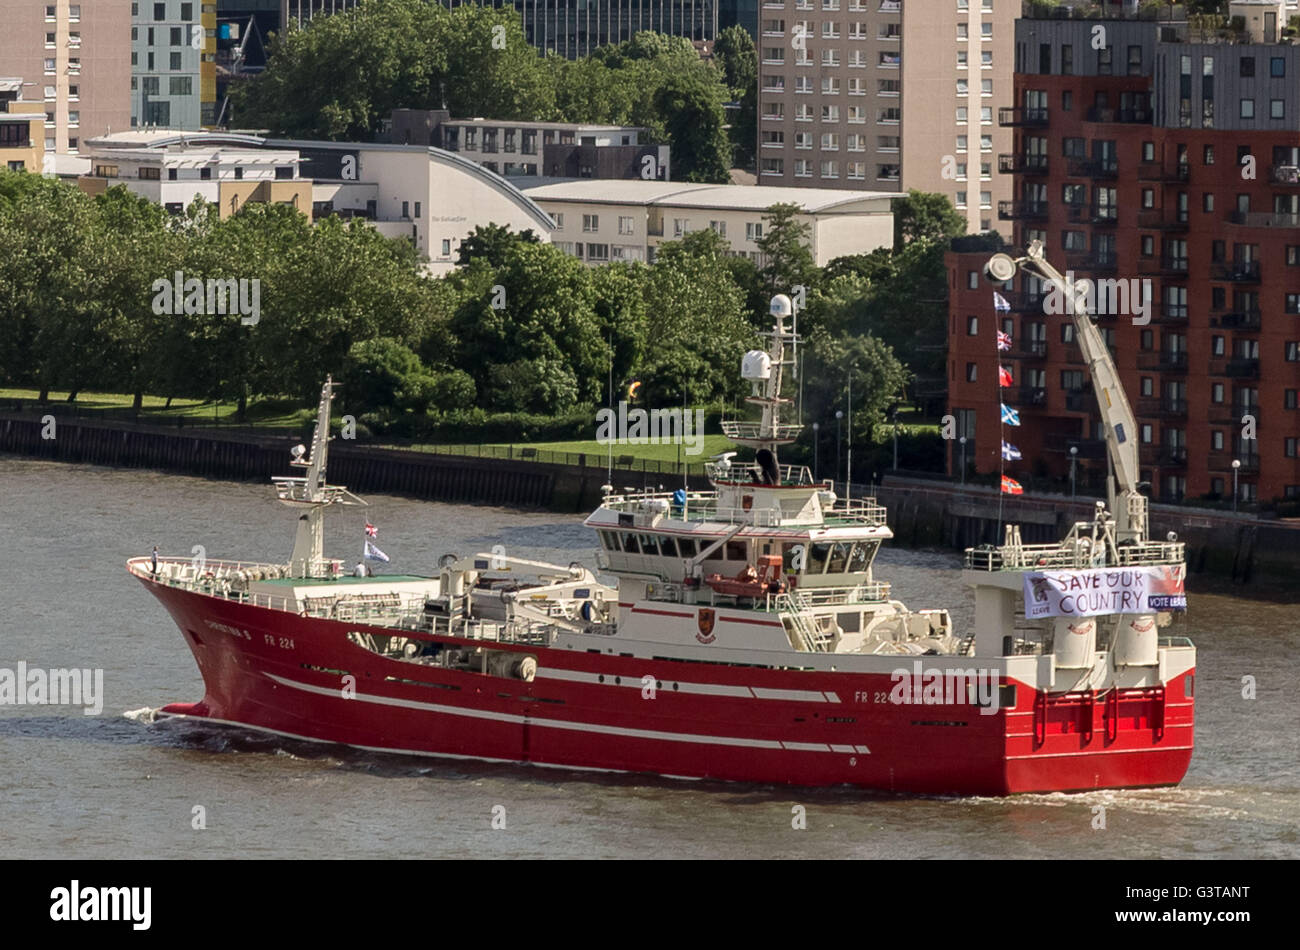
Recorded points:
747,502
705,620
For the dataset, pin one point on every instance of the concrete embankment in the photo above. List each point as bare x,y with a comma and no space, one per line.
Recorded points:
922,512
1239,547
251,455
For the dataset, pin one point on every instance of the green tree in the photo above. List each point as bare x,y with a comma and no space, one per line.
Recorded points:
784,245
491,243
922,215
694,120
735,54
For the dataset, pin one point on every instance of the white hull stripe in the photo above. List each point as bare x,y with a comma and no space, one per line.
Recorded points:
538,722
704,689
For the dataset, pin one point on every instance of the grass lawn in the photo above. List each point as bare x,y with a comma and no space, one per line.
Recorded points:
710,445
272,413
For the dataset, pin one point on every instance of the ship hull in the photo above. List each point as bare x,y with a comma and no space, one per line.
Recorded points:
302,677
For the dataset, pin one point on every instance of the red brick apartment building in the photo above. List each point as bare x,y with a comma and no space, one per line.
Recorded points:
1166,155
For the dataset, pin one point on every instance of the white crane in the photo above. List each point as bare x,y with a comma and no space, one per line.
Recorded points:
1117,416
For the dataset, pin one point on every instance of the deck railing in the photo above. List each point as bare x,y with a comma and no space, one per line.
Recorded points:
1031,557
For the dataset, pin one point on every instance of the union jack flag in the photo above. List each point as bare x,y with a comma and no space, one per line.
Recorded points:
371,530
1004,340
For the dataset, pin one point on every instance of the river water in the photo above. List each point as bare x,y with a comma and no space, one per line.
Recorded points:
122,785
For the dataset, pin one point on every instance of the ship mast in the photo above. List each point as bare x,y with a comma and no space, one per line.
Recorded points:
313,494
765,371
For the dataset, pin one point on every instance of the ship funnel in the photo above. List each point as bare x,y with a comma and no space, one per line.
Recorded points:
781,306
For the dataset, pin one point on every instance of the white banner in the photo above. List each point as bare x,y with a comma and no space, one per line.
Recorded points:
1126,590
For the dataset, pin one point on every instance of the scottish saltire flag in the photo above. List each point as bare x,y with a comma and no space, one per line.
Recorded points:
374,554
1004,340
1010,452
1004,376
1009,416
1011,487
371,530
1001,303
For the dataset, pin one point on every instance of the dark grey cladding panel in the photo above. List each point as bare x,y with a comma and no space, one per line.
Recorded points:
1215,78
1079,35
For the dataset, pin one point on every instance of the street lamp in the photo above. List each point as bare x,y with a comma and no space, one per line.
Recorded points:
1236,469
962,442
816,427
839,414
1074,454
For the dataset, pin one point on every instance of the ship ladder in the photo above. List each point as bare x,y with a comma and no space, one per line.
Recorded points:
1089,706
1159,718
1040,718
812,643
1110,715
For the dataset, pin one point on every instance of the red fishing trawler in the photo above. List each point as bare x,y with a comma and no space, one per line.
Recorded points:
745,635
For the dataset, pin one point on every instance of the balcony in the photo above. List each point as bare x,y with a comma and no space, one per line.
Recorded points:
1238,320
1263,219
1018,118
1103,168
1171,313
1023,302
1174,267
1023,164
1161,220
1072,354
1240,272
1079,400
1099,216
1022,210
1030,350
1232,415
1163,408
1091,262
1127,116
1285,175
1222,462
1164,456
1165,361
1031,396
1158,171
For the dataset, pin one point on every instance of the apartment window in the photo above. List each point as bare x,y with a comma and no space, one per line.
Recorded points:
717,227
830,169
591,222
1217,393
1291,399
159,12
753,230
1207,202
1067,101
972,373
962,114
961,143
1148,245
961,59
681,226
972,326
1293,255
1105,58
830,142
986,87
187,11
961,199
180,85
176,36
1067,58
1147,386
1277,108
597,252
1292,352
1246,67
174,60
962,87
986,143
1277,67
986,59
